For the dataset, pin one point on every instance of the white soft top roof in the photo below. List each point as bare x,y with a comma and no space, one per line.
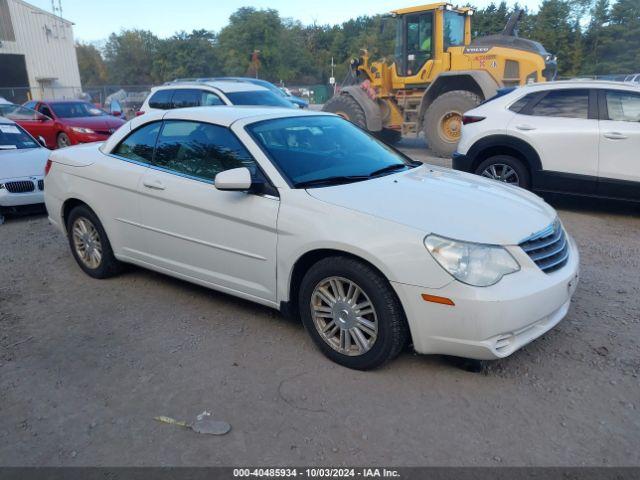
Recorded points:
219,115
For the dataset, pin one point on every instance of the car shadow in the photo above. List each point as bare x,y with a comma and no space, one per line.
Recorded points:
591,205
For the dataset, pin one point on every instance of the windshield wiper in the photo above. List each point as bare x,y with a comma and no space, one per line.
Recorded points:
337,180
387,169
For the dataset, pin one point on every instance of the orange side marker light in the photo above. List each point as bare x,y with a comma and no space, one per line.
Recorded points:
436,299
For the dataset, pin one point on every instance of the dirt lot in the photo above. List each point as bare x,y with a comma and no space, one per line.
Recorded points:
85,365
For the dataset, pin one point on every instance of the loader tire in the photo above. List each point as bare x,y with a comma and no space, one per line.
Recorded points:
347,108
443,120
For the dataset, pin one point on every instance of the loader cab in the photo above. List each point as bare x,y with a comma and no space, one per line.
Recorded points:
424,33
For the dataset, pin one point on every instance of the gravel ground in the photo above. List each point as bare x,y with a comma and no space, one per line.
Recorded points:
86,364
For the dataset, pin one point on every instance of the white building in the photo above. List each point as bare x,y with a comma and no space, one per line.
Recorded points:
37,54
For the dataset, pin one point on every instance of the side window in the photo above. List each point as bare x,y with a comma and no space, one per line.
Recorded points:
45,110
573,103
209,99
200,150
139,145
31,104
161,99
623,106
184,98
518,105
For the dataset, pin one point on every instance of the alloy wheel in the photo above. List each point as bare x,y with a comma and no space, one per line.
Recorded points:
344,316
86,241
502,173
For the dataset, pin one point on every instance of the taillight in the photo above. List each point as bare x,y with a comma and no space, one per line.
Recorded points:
47,167
467,119
139,112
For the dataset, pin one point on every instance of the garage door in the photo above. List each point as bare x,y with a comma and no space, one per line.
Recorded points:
13,73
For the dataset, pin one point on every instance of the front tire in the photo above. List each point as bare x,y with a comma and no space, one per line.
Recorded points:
443,120
347,108
63,140
89,244
351,313
505,168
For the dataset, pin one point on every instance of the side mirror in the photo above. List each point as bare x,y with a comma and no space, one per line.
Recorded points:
42,141
236,179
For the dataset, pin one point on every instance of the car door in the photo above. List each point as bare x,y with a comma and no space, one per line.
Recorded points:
562,126
36,124
619,168
121,172
219,238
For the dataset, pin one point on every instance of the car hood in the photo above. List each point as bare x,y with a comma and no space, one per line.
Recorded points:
446,202
28,162
104,122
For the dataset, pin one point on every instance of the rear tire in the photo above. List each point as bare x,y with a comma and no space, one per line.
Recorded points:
347,108
505,168
443,120
90,245
370,320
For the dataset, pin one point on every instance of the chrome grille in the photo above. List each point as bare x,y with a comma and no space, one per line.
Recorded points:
40,184
23,186
549,248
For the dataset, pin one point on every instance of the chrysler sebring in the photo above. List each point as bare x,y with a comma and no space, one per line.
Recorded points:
304,212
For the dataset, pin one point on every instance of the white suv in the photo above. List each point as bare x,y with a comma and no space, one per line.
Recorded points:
210,93
575,137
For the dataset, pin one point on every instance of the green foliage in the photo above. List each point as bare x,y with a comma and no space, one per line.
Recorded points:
588,36
93,71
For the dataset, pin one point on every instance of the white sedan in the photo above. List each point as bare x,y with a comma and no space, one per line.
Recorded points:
306,213
22,162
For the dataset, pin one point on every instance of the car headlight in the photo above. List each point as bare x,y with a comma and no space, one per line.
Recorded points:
471,263
82,130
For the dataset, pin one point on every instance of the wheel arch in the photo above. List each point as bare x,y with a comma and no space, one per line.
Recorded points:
372,113
68,205
477,82
505,145
302,265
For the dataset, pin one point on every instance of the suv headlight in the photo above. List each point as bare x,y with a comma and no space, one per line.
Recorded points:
471,263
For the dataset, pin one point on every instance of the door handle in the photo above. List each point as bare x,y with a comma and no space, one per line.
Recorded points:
615,136
525,128
153,184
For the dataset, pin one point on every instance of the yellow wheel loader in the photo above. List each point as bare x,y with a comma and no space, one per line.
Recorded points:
437,74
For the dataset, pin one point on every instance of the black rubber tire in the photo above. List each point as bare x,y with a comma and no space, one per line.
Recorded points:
524,178
393,331
61,139
456,101
109,266
347,107
389,136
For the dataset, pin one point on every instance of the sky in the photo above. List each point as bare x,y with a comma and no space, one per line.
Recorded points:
96,19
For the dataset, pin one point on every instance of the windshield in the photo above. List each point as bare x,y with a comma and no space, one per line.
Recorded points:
12,137
16,112
258,97
76,109
324,150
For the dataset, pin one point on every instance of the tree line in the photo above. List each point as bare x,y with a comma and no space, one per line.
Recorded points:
589,37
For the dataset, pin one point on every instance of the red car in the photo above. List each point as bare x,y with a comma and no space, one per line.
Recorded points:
69,122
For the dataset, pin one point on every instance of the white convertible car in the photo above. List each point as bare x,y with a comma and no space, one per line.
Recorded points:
304,212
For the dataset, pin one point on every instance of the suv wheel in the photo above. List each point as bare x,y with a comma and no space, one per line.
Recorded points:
505,168
352,314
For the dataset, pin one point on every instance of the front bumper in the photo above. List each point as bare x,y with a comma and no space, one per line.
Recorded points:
76,137
461,162
487,323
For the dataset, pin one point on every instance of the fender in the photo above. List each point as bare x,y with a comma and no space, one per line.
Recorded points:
370,108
